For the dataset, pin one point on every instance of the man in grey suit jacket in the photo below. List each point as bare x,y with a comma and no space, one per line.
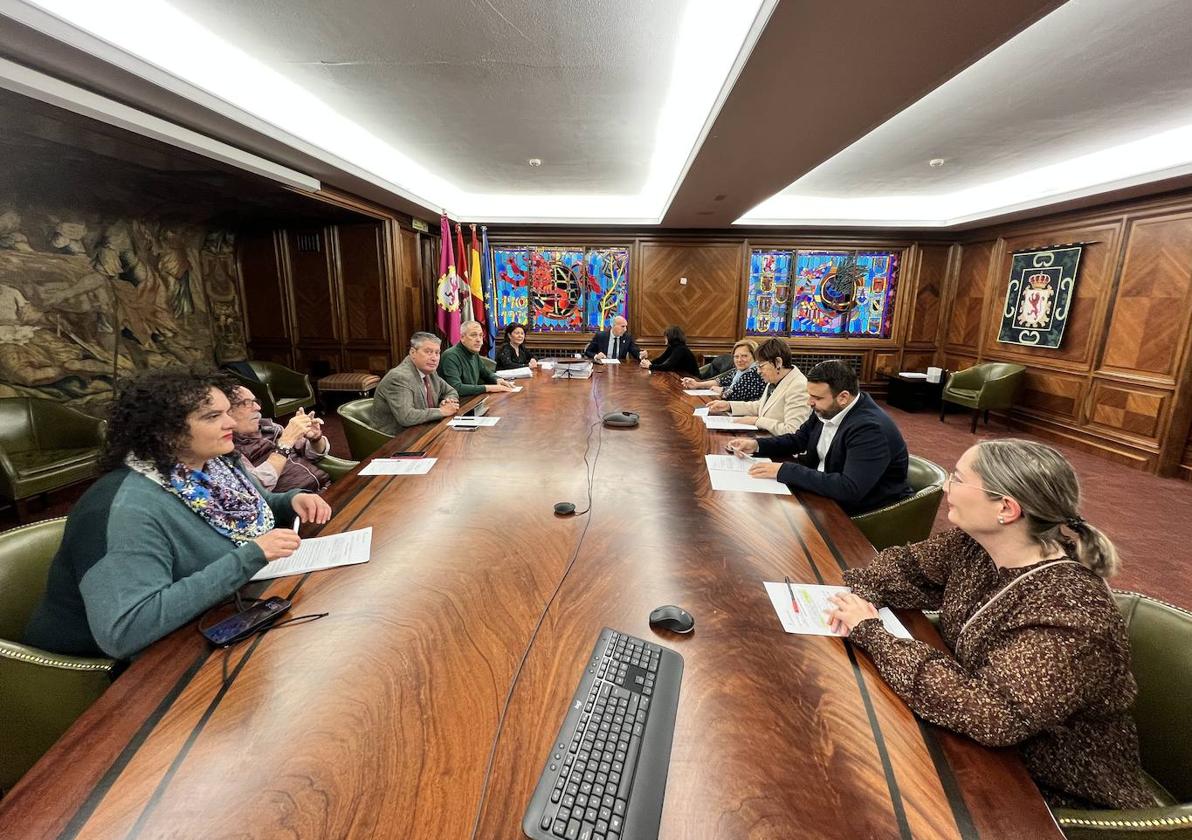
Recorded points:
413,392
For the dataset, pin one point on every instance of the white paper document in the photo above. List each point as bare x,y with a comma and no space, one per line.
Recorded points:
733,476
398,466
810,619
317,553
699,392
610,361
516,373
701,412
547,365
722,423
910,374
473,421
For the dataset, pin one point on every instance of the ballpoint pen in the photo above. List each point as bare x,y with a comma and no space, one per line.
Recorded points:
791,590
298,521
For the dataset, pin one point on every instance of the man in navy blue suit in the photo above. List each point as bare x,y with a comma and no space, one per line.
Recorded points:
615,343
848,449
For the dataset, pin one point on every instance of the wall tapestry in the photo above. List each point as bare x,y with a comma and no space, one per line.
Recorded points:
559,290
826,293
1039,296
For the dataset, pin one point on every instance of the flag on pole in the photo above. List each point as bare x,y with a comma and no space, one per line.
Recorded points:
447,294
475,283
465,293
490,290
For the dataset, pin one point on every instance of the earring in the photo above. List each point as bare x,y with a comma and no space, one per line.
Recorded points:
1001,520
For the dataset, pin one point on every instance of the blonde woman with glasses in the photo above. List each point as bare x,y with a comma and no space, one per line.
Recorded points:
1037,651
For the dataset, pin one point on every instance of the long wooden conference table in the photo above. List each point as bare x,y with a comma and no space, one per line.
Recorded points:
424,704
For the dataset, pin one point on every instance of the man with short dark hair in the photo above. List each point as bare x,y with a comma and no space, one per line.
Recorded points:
413,392
848,449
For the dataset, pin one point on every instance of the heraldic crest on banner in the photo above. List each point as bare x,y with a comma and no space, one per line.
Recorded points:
1039,296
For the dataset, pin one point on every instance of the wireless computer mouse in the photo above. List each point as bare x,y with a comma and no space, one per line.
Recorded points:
675,619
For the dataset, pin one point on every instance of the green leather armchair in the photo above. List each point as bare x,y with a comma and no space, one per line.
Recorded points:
279,390
41,693
717,366
982,387
336,468
489,364
1161,654
44,446
363,439
911,519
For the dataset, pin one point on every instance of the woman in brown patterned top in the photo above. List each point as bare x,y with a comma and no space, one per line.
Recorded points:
1039,656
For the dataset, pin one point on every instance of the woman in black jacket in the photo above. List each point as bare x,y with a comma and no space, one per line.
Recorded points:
513,353
677,357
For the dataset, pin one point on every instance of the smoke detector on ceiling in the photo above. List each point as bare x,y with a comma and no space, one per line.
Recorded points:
535,162
935,162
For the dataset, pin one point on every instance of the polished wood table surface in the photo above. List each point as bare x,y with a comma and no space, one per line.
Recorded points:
424,704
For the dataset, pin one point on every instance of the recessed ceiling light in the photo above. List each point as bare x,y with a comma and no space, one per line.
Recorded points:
936,162
535,162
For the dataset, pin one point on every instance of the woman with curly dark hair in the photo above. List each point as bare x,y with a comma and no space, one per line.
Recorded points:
677,357
173,527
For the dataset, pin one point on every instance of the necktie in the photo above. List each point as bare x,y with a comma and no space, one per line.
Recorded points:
612,351
430,397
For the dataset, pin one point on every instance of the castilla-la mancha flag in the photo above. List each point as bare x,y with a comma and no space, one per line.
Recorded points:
476,283
449,291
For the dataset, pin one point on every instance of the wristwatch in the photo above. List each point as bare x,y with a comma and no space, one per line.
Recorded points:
285,451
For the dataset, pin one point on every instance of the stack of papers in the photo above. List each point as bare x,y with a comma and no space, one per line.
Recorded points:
728,472
811,617
398,466
317,553
516,373
473,421
722,423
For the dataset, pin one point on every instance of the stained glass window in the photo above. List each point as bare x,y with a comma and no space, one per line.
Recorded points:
827,293
559,290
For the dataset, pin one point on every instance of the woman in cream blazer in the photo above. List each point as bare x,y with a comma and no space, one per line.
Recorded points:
784,404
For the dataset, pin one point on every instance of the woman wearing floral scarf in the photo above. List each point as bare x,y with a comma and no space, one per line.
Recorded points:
174,526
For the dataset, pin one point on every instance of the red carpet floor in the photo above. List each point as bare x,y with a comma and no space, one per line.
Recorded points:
1149,518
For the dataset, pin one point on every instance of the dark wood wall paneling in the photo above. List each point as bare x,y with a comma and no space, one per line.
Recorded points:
1119,383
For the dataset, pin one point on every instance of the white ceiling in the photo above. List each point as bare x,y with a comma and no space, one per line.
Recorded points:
447,100
1096,95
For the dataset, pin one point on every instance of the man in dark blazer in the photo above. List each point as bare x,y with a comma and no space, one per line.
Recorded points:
614,343
848,449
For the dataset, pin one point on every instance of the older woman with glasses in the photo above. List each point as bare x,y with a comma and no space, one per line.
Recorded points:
1038,656
783,404
741,382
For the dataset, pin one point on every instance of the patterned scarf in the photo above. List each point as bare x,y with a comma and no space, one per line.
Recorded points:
220,493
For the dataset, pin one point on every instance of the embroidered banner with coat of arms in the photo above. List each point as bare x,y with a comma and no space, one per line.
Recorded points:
1042,283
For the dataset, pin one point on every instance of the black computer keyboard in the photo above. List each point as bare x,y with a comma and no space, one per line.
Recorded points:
606,774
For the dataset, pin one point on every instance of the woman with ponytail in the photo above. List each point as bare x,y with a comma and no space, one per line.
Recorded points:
1037,655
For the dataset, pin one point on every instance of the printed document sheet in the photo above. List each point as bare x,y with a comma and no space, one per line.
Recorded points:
728,472
516,373
473,421
719,423
398,466
701,412
811,617
317,553
610,361
699,392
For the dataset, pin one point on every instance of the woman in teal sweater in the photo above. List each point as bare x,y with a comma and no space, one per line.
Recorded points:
173,528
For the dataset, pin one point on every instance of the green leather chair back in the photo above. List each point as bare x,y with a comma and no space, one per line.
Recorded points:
280,390
988,385
16,425
363,439
1161,659
911,519
45,445
41,693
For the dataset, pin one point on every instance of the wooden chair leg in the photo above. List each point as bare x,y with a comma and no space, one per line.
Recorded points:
943,406
987,417
973,427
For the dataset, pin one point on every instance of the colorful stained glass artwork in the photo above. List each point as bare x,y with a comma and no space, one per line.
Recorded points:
821,293
608,287
559,290
769,292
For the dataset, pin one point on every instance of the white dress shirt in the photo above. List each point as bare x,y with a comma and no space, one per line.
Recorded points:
828,432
